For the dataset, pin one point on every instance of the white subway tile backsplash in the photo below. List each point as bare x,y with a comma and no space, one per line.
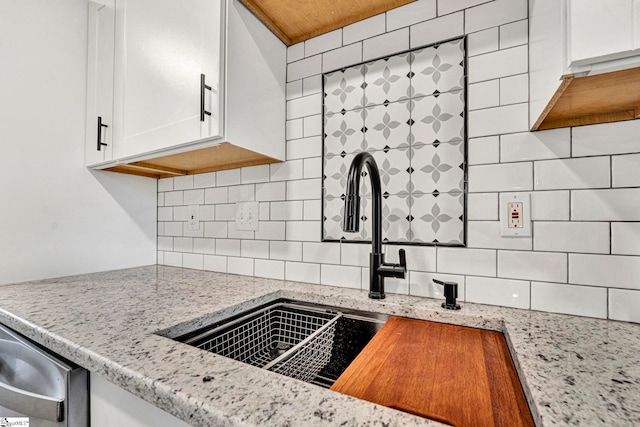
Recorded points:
306,231
207,213
294,89
313,167
264,211
302,107
180,213
588,172
484,150
165,243
194,197
254,174
203,180
514,89
302,272
304,148
438,29
625,170
225,212
161,199
269,269
484,94
514,34
322,253
173,259
183,244
507,293
289,170
486,235
254,249
165,214
364,29
216,229
605,270
422,285
228,177
241,266
569,299
448,6
161,229
392,285
550,205
215,263
160,258
165,184
229,247
242,193
204,246
312,125
340,275
503,177
304,189
411,14
173,229
174,198
311,85
271,230
386,44
482,207
502,63
356,254
548,144
483,42
216,195
544,266
304,68
622,204
272,191
498,120
342,57
235,233
479,262
195,261
312,210
322,43
609,138
184,182
287,211
581,237
623,305
295,52
625,238
287,251
492,14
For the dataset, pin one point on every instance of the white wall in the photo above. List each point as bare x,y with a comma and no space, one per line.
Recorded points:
584,255
56,217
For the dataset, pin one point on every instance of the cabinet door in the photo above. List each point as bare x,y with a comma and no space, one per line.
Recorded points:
162,48
600,30
100,82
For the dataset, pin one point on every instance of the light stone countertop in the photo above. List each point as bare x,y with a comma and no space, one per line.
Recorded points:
575,370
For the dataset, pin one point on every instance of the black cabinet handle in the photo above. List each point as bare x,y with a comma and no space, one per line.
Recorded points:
100,126
203,87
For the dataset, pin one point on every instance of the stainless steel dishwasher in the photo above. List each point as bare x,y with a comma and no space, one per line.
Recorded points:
40,387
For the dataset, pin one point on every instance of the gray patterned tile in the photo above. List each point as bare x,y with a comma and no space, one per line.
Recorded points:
343,89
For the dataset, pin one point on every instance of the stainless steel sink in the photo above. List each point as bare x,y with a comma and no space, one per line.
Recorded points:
310,342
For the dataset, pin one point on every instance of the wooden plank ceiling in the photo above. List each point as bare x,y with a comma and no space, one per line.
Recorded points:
294,21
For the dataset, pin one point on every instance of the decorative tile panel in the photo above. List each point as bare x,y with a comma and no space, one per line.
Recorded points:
409,112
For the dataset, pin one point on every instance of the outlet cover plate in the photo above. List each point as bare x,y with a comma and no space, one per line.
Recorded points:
506,200
247,216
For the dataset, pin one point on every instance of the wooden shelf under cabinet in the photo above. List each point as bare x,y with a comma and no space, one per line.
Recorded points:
456,375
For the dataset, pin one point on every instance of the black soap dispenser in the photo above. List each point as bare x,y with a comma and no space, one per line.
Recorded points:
450,294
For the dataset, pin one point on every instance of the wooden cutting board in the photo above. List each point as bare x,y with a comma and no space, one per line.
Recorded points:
456,375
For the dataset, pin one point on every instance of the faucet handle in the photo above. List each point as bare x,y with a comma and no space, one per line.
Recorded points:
403,259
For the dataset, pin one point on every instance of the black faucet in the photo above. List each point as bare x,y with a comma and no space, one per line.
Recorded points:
378,269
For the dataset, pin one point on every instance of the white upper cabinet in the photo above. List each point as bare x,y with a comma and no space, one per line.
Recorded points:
162,48
186,76
99,137
601,30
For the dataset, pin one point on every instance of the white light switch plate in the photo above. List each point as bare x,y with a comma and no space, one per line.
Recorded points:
515,215
247,216
193,213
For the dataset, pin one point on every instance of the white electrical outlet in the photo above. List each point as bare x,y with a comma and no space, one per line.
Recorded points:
515,215
193,212
247,215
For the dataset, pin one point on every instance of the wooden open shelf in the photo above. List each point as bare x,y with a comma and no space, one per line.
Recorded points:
294,21
452,374
219,157
602,98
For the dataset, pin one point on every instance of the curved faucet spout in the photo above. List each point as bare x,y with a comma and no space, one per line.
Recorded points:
378,269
